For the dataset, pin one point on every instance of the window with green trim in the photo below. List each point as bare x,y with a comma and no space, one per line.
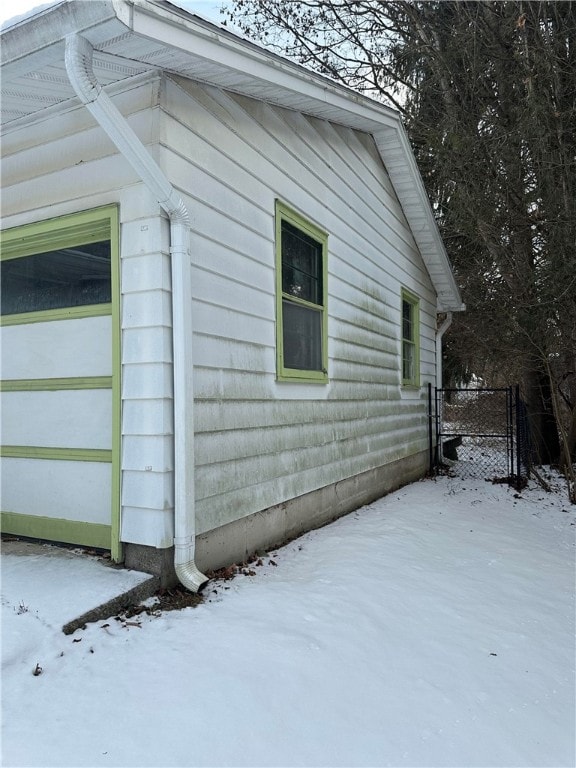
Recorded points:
301,268
57,264
410,340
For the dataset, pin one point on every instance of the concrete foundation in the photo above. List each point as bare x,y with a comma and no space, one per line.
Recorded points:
272,527
158,562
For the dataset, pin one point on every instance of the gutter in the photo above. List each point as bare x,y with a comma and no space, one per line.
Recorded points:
79,53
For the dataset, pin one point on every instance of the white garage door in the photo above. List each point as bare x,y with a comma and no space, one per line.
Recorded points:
60,393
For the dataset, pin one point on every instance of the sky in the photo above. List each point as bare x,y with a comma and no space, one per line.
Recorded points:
431,628
207,8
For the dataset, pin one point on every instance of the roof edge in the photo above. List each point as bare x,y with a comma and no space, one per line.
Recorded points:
172,26
50,25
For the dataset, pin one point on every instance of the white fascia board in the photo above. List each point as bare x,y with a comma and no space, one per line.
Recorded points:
409,187
22,17
212,43
40,38
248,59
50,27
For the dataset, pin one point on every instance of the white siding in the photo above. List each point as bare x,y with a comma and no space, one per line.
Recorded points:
147,420
260,442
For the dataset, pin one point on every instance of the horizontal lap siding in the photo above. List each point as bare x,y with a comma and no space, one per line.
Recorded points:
260,442
66,163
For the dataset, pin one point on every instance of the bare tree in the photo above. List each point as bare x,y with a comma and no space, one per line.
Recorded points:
487,91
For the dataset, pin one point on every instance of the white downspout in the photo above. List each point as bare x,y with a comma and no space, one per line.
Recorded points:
80,72
446,323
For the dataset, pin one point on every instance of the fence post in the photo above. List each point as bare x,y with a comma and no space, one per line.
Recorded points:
510,431
430,441
518,446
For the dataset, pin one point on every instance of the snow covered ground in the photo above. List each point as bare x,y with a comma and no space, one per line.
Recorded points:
434,627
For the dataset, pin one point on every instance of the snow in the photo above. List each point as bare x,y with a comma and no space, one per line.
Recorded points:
14,12
35,578
434,627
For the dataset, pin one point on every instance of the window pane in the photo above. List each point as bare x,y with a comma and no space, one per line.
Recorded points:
301,265
302,337
70,277
408,356
407,323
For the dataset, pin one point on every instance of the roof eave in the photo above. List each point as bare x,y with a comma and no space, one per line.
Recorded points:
321,97
50,26
368,115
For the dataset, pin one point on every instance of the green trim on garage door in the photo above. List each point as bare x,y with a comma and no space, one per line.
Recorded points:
76,229
115,545
55,385
50,315
82,228
56,529
55,454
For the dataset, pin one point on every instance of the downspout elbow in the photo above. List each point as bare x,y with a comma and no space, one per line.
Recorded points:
78,58
188,573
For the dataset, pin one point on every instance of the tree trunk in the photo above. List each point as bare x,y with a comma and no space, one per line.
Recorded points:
543,426
570,443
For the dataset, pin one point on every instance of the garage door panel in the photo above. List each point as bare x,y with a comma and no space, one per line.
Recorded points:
69,490
63,419
58,349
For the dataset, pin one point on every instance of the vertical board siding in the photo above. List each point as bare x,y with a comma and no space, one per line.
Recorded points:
258,442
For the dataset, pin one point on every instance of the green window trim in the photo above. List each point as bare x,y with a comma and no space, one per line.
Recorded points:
410,339
287,302
56,385
76,229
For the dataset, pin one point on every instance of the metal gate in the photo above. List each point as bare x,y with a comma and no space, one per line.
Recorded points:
485,430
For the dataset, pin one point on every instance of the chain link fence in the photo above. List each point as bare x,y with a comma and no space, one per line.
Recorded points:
476,428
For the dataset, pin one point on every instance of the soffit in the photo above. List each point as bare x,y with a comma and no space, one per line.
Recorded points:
152,36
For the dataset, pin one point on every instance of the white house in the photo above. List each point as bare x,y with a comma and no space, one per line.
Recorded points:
221,279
